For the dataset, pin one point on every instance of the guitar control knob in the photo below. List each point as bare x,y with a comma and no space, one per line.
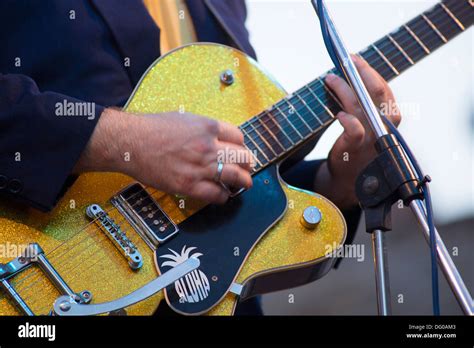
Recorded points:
227,77
311,217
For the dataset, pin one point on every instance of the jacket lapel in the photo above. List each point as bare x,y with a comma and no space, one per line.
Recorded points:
134,31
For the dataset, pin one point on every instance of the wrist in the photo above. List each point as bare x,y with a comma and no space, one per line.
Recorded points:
106,148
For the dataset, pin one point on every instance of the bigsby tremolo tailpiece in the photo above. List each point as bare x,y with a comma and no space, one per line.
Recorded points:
34,255
66,305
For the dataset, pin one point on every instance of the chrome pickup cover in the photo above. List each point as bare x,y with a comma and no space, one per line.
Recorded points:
144,213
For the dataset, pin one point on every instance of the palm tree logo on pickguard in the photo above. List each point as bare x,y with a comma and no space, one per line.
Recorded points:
194,286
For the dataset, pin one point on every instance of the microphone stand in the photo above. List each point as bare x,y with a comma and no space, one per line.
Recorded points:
390,177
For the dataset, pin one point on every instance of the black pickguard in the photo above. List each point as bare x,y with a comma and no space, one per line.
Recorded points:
224,235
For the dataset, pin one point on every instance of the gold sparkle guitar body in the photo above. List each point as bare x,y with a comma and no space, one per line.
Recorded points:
85,256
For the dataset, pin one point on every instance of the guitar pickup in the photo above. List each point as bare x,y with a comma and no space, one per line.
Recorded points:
145,215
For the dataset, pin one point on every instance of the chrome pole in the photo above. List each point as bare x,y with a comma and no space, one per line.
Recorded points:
382,283
445,261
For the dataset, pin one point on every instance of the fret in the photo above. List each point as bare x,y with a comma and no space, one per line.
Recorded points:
450,14
271,128
336,103
425,33
417,39
393,54
375,60
310,110
257,149
305,115
250,146
444,22
413,49
325,97
262,143
268,142
462,9
273,133
319,101
268,135
293,130
386,60
254,151
292,107
282,137
265,144
435,29
395,43
269,132
295,120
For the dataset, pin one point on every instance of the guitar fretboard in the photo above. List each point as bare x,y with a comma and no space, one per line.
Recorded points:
290,122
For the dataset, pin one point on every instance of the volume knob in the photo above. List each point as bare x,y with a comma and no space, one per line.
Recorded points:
311,217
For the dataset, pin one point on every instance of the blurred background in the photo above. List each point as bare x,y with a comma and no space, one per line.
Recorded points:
438,123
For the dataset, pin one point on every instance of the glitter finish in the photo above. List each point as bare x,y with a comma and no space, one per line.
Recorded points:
187,79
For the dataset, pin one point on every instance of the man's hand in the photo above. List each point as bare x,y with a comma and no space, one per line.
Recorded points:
354,149
173,152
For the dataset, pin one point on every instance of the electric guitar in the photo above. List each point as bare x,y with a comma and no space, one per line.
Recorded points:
109,235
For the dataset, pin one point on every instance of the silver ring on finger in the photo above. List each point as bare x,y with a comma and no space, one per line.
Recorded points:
220,169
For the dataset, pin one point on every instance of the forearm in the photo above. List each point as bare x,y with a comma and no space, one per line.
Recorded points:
111,144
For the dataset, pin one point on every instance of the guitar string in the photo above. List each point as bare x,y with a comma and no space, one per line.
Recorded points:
91,243
280,114
78,234
273,129
374,54
399,52
87,238
412,43
448,19
87,267
398,55
47,307
108,212
387,53
260,129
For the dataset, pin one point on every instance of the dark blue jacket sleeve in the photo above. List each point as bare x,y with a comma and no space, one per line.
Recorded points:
39,142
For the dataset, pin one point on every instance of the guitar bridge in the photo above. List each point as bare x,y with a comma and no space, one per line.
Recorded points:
145,215
116,235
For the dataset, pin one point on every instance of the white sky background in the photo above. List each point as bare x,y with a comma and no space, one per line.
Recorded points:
289,45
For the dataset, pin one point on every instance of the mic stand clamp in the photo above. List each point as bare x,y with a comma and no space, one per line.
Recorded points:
386,180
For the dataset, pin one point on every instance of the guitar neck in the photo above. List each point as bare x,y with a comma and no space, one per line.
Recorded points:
292,121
